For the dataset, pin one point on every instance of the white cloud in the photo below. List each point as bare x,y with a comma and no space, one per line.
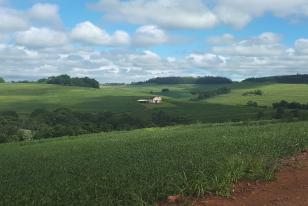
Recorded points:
239,13
45,13
266,44
192,14
150,35
269,37
221,40
206,60
41,37
89,33
301,46
18,62
195,14
12,20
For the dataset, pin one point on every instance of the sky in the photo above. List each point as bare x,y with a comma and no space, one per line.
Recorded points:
134,40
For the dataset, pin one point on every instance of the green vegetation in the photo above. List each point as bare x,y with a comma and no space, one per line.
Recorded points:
25,98
144,166
271,93
253,93
188,80
65,122
211,93
66,80
252,104
290,105
141,167
2,80
165,90
289,79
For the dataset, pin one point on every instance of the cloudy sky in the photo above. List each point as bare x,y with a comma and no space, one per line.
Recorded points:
133,40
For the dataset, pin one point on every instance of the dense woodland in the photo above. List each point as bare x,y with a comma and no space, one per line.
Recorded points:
290,79
66,80
65,122
187,80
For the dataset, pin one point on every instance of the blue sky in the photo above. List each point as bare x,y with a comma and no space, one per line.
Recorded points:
124,41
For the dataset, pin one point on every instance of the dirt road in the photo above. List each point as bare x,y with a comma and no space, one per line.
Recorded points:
289,189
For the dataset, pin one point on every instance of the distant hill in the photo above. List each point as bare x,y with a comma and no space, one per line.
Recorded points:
187,80
291,79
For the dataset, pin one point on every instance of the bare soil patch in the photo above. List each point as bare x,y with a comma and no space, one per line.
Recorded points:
289,189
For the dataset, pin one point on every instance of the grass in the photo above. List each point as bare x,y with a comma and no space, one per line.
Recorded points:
144,166
272,93
24,98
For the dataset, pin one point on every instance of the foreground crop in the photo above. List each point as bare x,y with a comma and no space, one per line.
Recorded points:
144,166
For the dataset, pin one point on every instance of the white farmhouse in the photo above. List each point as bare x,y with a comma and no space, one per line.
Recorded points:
153,100
156,100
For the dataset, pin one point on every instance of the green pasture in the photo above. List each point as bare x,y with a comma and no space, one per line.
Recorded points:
272,93
24,98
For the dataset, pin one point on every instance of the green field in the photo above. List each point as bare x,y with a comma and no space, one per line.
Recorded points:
272,93
24,98
144,166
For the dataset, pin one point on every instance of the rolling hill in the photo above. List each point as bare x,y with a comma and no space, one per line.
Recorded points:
24,98
142,167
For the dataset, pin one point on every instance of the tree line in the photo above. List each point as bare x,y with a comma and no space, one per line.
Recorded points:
211,93
187,80
66,80
290,105
65,122
290,79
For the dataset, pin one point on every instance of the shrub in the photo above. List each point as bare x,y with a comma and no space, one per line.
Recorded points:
252,104
212,93
165,90
253,93
289,105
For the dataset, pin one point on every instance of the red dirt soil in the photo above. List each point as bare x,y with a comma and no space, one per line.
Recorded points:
289,189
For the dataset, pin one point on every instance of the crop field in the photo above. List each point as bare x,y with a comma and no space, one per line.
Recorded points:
142,167
24,98
271,93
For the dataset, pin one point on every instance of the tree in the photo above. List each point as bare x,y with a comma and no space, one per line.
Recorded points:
165,90
2,80
66,80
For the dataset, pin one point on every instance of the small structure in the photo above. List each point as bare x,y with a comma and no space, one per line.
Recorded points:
156,100
153,100
144,101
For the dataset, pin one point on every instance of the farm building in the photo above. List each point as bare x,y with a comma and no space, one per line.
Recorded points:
153,100
156,100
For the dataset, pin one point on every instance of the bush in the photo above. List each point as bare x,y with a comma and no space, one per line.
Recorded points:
212,93
253,93
279,113
252,104
165,90
2,80
290,105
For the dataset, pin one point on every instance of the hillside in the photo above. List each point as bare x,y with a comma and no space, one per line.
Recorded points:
288,79
24,98
271,93
144,166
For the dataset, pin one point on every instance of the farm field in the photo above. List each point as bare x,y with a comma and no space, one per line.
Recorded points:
24,98
271,93
144,166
